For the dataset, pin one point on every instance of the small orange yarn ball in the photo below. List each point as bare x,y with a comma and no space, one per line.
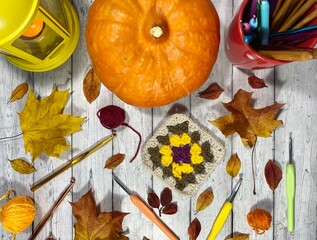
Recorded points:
17,214
260,220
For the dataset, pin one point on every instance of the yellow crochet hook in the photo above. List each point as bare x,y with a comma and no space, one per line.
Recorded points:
224,213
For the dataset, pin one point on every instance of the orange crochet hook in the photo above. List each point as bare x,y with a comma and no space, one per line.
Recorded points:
146,210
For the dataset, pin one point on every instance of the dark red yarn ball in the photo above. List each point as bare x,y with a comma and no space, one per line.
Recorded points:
112,117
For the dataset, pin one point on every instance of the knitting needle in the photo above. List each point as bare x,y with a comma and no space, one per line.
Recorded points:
280,15
53,208
288,55
146,210
73,161
277,7
306,20
291,20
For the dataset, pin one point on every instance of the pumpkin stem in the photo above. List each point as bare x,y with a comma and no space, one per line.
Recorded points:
156,31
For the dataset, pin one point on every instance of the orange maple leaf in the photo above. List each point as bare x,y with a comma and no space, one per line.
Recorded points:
92,226
248,122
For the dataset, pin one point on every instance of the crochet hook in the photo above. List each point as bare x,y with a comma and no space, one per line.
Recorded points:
53,208
146,210
73,161
290,189
224,213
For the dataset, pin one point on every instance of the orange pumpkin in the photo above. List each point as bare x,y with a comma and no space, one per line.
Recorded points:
152,52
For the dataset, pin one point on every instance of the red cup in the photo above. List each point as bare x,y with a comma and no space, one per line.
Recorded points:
242,55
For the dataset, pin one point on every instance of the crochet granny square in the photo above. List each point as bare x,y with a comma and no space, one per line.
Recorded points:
182,154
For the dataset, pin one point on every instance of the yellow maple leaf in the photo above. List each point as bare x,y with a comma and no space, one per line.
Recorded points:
44,126
248,122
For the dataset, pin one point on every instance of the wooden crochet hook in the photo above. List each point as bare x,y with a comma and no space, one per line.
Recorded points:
146,210
53,208
73,161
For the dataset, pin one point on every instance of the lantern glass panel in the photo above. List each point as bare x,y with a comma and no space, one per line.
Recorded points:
55,9
41,45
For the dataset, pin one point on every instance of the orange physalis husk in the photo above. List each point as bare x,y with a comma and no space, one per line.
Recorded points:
260,220
17,214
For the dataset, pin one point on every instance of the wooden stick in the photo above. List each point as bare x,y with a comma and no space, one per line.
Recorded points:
277,7
288,55
306,20
291,20
280,15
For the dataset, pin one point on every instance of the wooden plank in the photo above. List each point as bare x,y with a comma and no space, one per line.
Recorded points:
58,225
89,173
133,173
204,110
180,221
264,150
13,148
297,86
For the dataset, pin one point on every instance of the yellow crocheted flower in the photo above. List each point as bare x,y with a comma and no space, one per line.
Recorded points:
179,169
177,140
195,152
181,154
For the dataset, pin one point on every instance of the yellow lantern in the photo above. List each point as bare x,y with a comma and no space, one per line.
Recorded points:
38,35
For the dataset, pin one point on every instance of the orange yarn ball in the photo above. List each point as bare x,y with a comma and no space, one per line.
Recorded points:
260,220
17,214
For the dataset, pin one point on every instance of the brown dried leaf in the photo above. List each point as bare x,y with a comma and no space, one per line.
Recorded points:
19,92
145,238
240,236
248,122
91,86
213,91
204,200
194,229
114,161
166,197
22,166
94,225
256,82
153,200
233,165
273,174
170,209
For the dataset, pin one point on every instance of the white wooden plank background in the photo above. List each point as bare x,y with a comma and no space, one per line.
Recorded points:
294,84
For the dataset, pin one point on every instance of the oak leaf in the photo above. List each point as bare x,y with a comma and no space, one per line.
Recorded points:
273,174
92,225
19,92
22,166
194,229
91,86
204,200
233,165
114,161
44,125
248,122
213,91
